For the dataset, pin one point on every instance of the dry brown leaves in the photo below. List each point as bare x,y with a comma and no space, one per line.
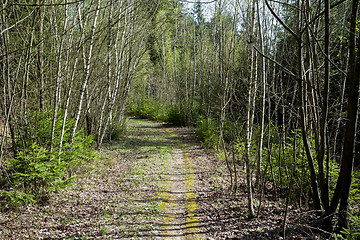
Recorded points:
115,197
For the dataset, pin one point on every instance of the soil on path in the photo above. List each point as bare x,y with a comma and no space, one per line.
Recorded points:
156,182
178,201
139,187
173,199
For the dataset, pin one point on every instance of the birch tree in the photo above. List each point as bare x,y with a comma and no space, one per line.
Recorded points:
87,57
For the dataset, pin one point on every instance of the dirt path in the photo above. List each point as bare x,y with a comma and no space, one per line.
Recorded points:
140,187
156,182
173,199
178,200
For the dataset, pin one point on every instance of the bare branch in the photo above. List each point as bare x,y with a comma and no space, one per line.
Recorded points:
198,1
282,22
286,4
44,5
322,12
277,63
323,53
7,29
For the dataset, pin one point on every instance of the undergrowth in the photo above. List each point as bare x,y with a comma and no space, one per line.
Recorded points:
353,231
284,165
206,131
155,110
35,172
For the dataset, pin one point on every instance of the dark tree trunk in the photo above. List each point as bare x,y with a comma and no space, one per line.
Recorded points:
343,184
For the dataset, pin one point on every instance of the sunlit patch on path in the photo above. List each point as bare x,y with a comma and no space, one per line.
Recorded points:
178,198
140,187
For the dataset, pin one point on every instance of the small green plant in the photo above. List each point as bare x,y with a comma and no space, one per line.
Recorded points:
118,132
353,231
106,213
206,131
66,220
104,229
355,191
16,197
35,172
146,109
175,117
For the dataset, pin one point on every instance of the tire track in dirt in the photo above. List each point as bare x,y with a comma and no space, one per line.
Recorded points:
140,187
179,199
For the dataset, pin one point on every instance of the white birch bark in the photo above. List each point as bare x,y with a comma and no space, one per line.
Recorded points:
71,77
87,64
263,97
250,116
59,77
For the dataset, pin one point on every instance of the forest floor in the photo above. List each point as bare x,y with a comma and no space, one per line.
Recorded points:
157,182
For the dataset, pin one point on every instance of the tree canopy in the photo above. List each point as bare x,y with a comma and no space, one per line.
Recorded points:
269,85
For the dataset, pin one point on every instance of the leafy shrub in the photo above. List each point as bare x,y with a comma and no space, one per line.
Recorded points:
154,110
35,172
230,131
353,231
16,197
175,117
206,131
355,190
118,132
146,109
288,164
283,165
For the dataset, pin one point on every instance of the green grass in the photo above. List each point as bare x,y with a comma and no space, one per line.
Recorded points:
130,171
150,152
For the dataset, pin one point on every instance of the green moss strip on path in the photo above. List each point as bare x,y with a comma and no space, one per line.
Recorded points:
179,204
139,187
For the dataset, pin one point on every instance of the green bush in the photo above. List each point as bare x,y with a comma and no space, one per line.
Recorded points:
175,117
206,131
355,190
283,165
230,131
35,172
353,231
146,109
118,132
154,110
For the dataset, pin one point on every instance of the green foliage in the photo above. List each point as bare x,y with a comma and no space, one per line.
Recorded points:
154,110
118,132
289,163
281,156
16,198
35,172
334,170
355,190
146,109
38,171
206,131
175,117
353,231
230,131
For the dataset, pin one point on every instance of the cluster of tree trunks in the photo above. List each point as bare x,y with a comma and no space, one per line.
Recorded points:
261,69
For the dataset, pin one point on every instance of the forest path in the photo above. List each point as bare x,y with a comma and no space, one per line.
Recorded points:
142,186
162,155
154,182
178,201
